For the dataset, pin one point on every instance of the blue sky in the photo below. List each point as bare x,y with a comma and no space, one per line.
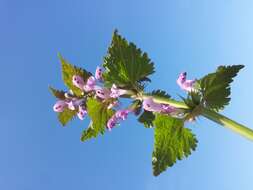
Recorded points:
179,35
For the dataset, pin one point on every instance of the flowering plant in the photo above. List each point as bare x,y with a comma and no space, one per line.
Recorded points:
125,74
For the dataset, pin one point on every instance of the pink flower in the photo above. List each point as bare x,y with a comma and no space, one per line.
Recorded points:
111,123
71,105
81,112
98,74
90,84
122,114
168,108
116,92
149,105
78,81
103,93
74,103
60,106
186,85
119,115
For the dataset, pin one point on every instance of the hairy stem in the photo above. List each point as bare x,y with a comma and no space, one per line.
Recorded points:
229,123
212,115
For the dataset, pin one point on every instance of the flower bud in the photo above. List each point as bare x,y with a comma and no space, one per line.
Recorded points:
60,106
78,81
90,84
103,93
98,73
81,113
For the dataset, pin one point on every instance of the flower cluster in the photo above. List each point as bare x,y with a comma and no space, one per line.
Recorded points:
90,86
72,104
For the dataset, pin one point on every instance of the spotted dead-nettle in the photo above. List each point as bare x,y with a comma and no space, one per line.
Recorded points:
125,73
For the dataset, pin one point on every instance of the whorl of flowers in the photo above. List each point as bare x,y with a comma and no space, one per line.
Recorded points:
94,85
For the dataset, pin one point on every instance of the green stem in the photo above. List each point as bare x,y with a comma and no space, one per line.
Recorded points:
162,100
229,123
212,115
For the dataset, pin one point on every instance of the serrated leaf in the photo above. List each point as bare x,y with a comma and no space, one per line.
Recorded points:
147,119
172,142
66,116
99,115
57,93
88,133
68,71
125,64
160,93
215,87
136,106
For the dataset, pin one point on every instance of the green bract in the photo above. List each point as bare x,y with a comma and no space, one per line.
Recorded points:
99,115
57,93
66,116
68,71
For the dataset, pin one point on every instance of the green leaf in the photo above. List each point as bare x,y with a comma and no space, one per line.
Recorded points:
215,87
57,93
136,106
172,142
193,99
89,133
160,94
125,64
147,119
66,116
68,71
99,115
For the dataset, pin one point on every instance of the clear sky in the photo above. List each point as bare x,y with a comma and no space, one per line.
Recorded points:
180,35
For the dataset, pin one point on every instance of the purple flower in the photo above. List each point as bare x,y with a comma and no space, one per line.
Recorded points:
71,105
90,84
81,112
149,105
74,103
119,115
60,106
98,74
186,85
116,92
78,81
103,93
122,114
111,123
168,108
